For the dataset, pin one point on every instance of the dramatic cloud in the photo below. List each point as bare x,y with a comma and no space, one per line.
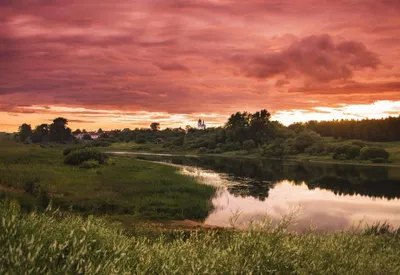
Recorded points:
316,57
187,57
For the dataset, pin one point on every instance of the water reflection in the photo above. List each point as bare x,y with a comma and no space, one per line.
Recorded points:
330,197
257,177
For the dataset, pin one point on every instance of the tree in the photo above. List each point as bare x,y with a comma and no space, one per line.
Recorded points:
238,120
259,126
41,133
86,137
25,131
77,131
155,126
100,131
58,130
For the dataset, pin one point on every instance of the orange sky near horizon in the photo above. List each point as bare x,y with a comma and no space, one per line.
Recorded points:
123,64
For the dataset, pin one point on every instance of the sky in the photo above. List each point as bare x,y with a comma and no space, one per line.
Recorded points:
124,64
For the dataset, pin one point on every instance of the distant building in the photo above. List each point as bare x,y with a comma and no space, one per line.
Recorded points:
201,125
93,135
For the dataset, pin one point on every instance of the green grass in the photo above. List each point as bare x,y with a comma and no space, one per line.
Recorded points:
56,243
126,186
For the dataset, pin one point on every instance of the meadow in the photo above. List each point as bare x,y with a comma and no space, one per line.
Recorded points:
36,174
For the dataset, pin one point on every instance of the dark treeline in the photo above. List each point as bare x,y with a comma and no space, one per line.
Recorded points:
385,129
247,133
54,132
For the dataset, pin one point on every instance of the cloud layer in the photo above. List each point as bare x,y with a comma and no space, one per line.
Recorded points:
193,57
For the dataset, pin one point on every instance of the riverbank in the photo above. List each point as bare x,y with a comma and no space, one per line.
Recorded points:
392,147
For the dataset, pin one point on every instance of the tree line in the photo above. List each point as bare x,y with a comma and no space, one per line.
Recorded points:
385,129
54,132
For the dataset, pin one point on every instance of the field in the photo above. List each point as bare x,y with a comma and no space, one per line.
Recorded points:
125,186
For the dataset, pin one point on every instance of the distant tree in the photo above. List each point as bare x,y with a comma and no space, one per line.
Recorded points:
155,126
41,133
77,131
58,130
86,137
25,131
100,131
238,120
84,131
249,144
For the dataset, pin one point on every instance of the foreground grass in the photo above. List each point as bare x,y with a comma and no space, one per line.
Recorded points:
126,186
56,243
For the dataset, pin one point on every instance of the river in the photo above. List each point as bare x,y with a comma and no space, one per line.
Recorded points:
326,197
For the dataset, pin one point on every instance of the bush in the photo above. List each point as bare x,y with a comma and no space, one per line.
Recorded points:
87,137
368,153
249,144
100,143
71,149
140,139
78,156
274,150
316,149
305,139
218,151
359,143
289,147
350,151
232,146
178,141
380,160
90,164
202,150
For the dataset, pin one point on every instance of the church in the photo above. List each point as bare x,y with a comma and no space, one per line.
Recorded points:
201,125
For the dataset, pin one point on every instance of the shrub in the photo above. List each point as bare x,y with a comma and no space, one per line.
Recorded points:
141,148
289,147
249,144
178,141
305,139
368,153
316,149
78,156
274,150
202,150
359,143
380,160
140,139
87,137
353,151
231,146
218,151
71,149
100,143
350,151
89,164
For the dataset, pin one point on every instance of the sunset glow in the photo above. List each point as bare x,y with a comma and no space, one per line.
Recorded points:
124,64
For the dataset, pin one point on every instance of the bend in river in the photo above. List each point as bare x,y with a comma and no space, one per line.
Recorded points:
328,197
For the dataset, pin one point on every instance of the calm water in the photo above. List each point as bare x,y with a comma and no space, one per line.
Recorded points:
325,196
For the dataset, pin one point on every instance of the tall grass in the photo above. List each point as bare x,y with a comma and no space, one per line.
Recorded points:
57,243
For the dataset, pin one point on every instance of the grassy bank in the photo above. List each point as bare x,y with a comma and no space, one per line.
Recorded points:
56,243
392,147
35,175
